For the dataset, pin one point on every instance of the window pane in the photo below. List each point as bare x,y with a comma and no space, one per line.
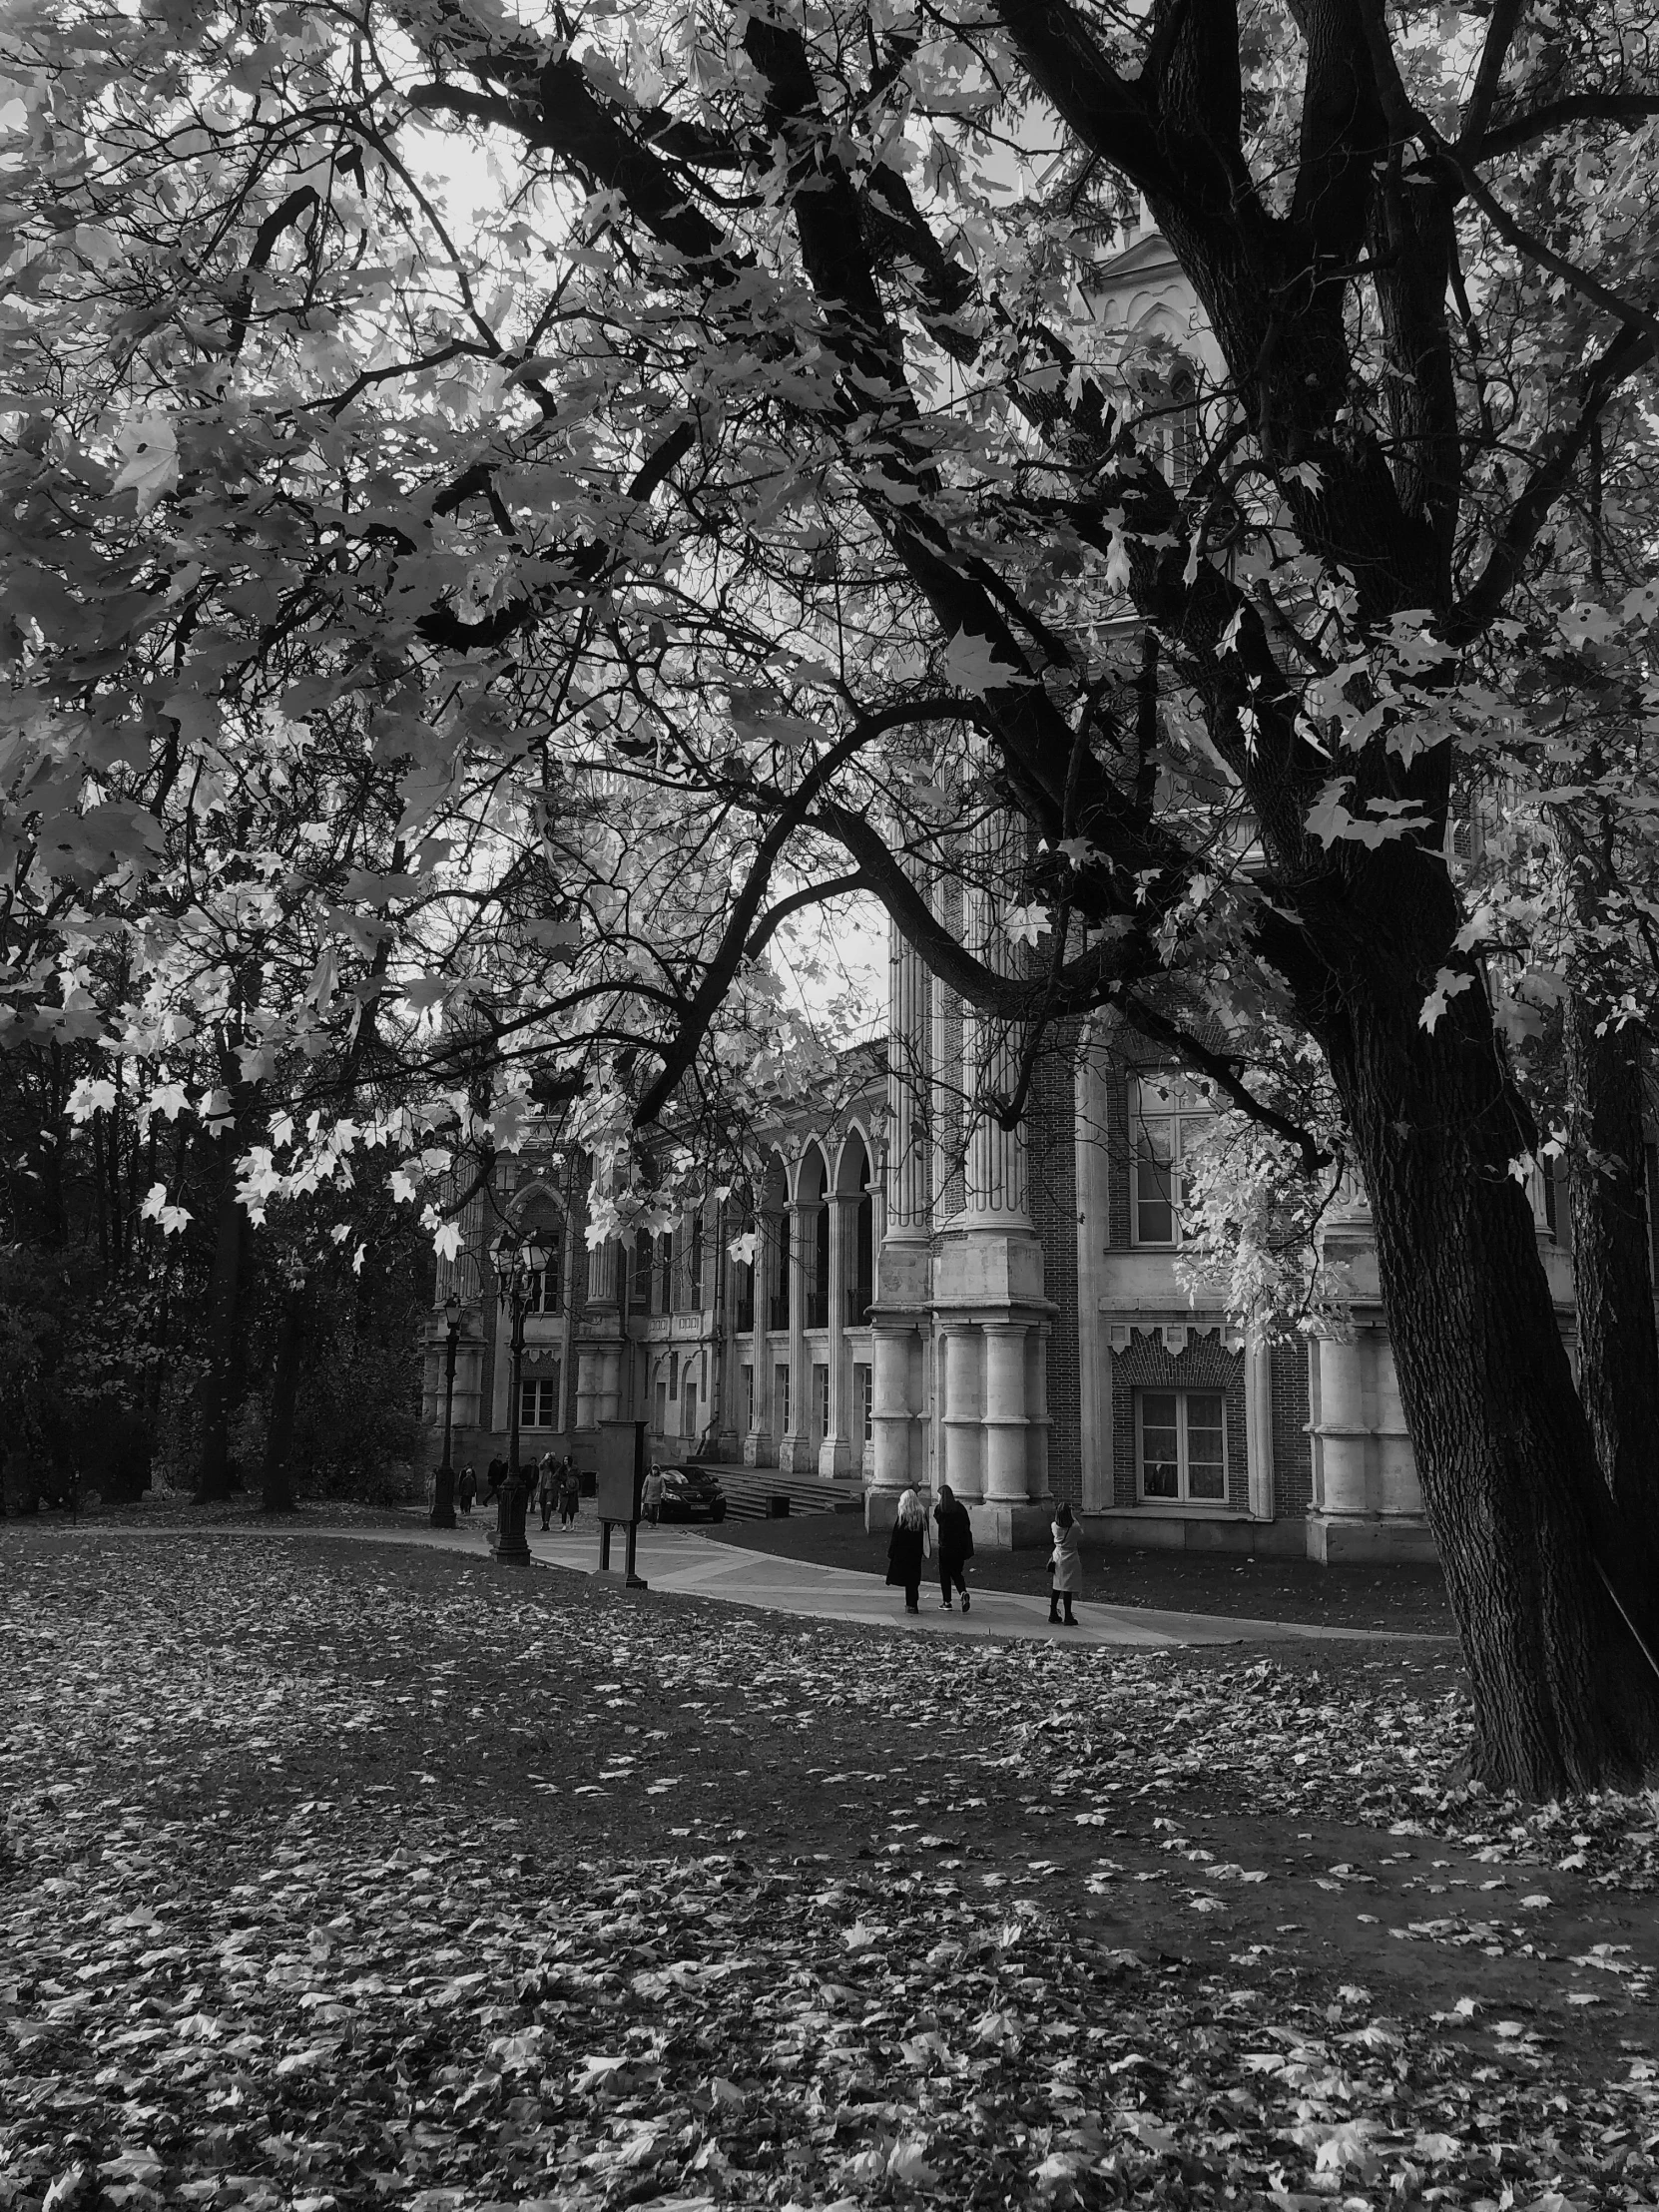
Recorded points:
1154,1206
1206,1465
1159,1476
1155,1145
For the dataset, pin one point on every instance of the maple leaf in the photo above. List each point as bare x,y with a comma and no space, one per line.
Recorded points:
149,451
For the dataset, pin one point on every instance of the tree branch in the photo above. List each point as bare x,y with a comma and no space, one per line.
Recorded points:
732,950
1488,76
814,894
1224,1074
1587,107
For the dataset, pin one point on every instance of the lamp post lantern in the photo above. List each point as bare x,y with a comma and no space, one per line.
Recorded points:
519,1264
443,1484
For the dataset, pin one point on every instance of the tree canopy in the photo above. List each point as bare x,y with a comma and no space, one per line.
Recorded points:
503,509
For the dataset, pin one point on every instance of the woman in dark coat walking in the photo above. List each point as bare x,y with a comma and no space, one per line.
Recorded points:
955,1545
907,1549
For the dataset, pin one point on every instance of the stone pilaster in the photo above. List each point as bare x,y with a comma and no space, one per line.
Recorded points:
795,1449
834,1457
1367,1502
899,1316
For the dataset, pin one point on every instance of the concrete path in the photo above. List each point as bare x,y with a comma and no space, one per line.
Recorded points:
681,1562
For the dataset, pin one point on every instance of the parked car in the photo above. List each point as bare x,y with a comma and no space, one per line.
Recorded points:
692,1493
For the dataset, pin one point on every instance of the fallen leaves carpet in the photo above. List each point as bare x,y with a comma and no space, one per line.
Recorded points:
344,1876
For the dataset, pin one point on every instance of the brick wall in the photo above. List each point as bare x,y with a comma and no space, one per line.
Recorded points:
1204,1364
1293,1466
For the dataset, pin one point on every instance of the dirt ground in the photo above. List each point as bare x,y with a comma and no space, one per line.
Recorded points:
408,1869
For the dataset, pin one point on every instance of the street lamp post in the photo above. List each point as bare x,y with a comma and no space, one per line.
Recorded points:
444,1486
518,1266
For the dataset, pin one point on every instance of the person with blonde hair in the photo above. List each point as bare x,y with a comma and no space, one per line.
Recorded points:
907,1547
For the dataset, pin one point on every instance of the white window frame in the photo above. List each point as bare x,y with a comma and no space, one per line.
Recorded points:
1162,1095
539,1390
1183,1486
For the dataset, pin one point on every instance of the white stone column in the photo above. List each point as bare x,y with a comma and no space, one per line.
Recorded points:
1259,1428
834,1455
1007,1453
902,1257
997,1179
1094,1216
904,1265
1342,1434
757,1443
960,1351
892,1414
1399,1492
794,1453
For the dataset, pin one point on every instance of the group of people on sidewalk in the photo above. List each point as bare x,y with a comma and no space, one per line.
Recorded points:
910,1545
557,1482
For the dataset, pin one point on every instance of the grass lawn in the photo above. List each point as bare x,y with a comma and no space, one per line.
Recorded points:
342,1875
1411,1600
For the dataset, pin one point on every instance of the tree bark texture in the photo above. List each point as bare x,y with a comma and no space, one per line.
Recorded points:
215,1393
277,1490
1528,1535
1618,1349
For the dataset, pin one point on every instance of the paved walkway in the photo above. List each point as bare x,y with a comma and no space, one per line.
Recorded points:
686,1564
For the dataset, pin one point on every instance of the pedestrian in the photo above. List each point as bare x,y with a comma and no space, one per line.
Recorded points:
654,1495
547,1477
955,1545
494,1475
1065,1568
907,1547
570,1493
466,1489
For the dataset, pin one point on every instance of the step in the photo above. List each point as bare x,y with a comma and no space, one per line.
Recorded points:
750,1491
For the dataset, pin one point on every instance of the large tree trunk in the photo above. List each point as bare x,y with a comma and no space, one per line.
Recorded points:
1618,1347
1530,1539
217,1391
278,1487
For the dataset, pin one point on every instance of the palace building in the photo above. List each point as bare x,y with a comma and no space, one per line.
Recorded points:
933,1298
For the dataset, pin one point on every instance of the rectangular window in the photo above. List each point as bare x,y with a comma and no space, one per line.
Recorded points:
747,1399
862,1396
780,1400
694,1262
547,1285
821,1402
538,1400
1181,1442
1166,1116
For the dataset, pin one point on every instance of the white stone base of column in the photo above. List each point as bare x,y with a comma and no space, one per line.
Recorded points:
904,1267
1013,1527
881,1511
759,1451
1360,1540
834,1459
796,1455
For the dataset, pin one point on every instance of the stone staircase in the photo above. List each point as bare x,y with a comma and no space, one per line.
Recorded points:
750,1491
